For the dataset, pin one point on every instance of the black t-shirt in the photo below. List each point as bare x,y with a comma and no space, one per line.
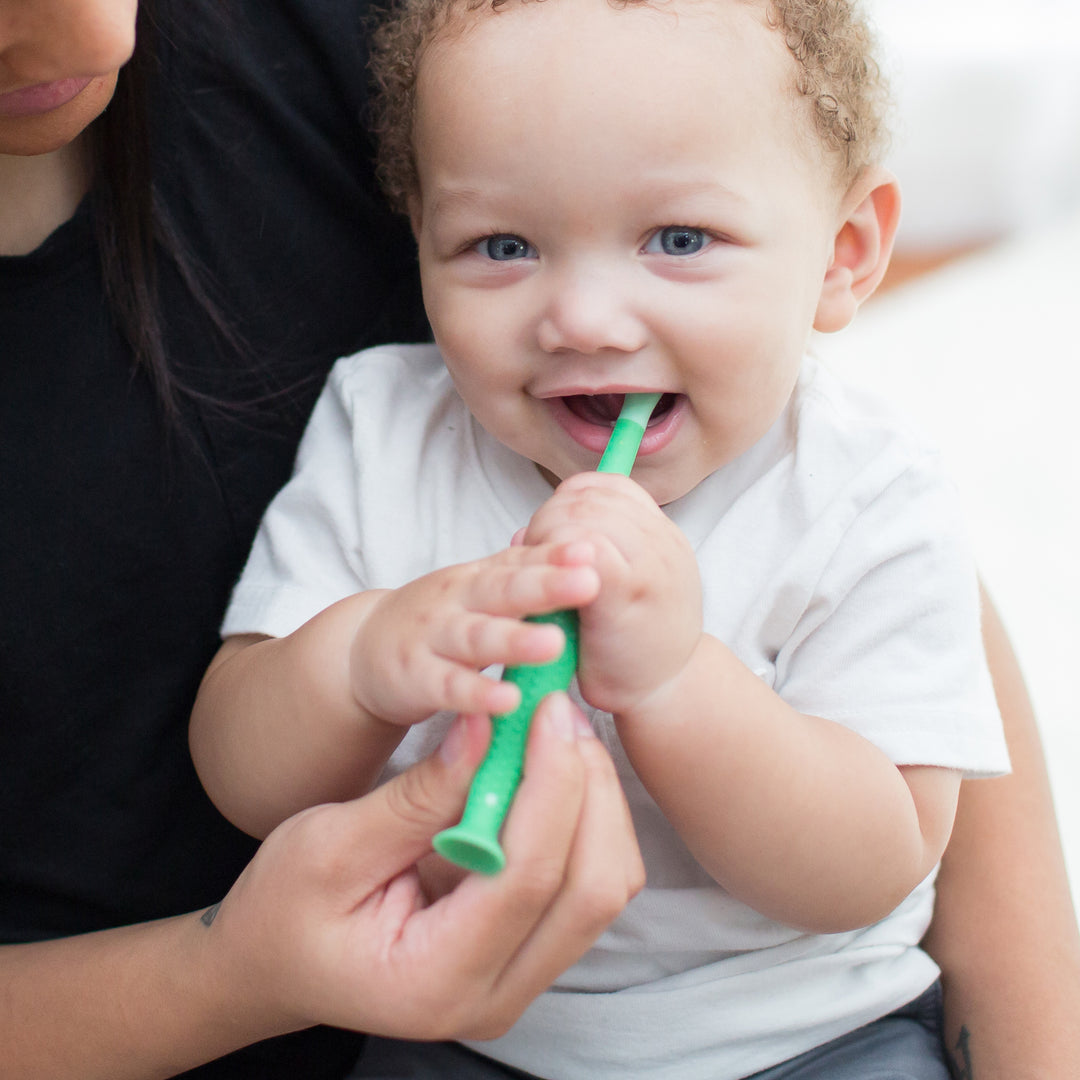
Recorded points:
119,543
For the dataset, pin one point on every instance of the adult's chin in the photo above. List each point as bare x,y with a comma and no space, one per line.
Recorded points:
50,128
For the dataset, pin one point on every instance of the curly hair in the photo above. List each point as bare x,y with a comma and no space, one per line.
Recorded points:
839,75
829,39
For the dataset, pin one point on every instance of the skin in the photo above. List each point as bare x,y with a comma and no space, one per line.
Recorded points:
706,148
334,921
1026,1027
349,681
368,944
73,46
1007,942
67,53
595,306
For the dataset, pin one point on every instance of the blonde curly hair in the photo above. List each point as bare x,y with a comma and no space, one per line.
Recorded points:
830,40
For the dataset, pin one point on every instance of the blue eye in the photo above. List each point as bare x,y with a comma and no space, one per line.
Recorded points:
505,247
677,240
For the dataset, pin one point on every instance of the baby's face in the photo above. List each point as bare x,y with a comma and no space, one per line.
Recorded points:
616,200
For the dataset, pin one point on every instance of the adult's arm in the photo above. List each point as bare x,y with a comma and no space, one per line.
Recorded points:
330,924
1004,928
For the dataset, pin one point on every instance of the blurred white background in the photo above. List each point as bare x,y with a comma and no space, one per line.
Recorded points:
983,350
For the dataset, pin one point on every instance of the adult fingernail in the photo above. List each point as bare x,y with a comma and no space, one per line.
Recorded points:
560,715
582,726
453,746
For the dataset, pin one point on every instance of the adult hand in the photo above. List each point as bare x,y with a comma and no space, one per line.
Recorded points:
330,922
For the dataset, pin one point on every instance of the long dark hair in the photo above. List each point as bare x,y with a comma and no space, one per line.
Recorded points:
133,228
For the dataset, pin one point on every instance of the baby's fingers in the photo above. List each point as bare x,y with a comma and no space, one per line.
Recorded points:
537,586
477,641
450,677
455,687
588,504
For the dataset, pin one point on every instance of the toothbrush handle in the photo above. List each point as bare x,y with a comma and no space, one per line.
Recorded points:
474,842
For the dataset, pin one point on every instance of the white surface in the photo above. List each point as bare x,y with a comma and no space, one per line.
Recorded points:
987,115
985,354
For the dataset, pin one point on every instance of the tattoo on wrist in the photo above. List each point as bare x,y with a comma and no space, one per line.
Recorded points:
960,1057
209,915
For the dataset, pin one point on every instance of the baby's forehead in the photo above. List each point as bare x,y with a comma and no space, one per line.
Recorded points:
822,76
473,35
455,19
462,22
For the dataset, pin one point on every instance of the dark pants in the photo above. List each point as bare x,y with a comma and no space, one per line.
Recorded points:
905,1045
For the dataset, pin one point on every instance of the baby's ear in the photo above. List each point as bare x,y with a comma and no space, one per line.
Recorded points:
863,244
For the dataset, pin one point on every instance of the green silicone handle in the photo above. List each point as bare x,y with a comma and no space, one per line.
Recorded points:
474,842
627,433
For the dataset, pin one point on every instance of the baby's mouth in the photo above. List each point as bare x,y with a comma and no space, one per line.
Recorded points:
603,409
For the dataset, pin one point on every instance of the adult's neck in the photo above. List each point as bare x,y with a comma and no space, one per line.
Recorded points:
40,193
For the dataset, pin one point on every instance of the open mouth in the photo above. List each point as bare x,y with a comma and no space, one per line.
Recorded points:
603,409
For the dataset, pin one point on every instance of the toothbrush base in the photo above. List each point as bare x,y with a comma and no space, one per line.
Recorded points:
469,850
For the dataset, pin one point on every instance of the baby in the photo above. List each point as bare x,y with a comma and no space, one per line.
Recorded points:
779,617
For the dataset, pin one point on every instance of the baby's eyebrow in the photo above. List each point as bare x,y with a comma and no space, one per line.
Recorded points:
448,200
662,186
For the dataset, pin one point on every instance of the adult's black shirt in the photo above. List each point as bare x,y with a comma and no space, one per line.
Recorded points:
120,539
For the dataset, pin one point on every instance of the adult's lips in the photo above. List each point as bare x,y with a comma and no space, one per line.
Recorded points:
41,97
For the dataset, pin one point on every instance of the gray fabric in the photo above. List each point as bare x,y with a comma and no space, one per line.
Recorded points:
905,1045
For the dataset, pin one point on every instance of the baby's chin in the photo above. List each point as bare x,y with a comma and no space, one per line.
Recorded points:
665,491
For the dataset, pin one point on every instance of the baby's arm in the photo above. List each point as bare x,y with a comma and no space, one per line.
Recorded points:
280,724
797,816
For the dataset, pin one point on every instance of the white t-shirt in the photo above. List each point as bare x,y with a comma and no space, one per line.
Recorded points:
833,565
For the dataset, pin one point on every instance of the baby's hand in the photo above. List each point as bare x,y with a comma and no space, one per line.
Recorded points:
646,620
420,648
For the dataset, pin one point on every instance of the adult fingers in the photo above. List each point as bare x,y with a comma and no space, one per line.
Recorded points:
392,827
484,922
605,871
572,865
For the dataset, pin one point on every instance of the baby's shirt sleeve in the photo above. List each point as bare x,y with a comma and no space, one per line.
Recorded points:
306,552
890,645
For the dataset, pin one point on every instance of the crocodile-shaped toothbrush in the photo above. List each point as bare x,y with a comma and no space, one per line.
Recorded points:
474,842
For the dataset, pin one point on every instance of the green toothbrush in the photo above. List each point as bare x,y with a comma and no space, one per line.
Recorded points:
474,842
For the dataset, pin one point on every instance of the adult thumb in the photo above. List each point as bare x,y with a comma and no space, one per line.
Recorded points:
393,825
